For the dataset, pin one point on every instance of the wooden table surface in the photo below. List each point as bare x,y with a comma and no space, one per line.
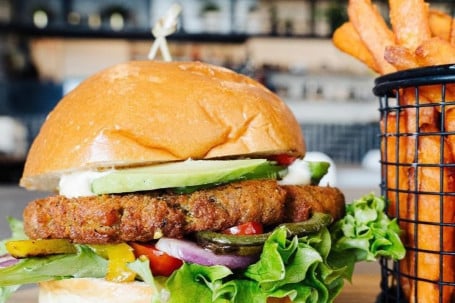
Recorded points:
364,289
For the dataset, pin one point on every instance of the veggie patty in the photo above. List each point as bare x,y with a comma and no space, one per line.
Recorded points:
149,215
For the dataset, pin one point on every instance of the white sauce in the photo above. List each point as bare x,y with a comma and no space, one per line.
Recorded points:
78,184
298,173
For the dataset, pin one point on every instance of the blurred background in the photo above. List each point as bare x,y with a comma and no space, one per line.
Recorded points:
49,46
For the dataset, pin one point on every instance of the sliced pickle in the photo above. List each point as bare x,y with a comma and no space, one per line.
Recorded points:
252,244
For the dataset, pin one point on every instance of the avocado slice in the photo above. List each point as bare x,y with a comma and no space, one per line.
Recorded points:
185,176
318,169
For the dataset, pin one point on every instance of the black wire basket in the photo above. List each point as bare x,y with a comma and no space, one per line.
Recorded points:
417,135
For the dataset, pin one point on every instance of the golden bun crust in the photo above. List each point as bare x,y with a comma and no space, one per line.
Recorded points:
145,112
91,290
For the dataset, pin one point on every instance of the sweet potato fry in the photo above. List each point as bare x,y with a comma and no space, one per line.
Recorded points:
394,147
440,24
427,234
348,40
400,57
452,32
415,117
373,31
435,93
435,51
449,124
428,94
410,23
408,97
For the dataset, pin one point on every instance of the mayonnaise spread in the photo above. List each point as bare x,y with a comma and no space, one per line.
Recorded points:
298,173
78,184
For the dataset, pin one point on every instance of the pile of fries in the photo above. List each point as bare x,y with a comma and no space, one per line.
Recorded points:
419,36
418,145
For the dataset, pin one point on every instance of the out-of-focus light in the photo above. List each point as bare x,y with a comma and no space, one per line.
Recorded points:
74,18
116,21
94,21
40,18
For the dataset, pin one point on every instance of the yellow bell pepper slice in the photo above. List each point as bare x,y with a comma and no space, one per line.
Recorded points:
31,248
118,255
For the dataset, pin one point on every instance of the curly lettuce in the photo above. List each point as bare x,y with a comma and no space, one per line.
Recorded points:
367,231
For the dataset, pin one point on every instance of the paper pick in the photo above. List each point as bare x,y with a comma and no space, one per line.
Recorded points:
164,27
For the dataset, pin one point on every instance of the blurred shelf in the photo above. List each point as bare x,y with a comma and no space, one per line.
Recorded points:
85,32
69,31
320,112
321,14
70,18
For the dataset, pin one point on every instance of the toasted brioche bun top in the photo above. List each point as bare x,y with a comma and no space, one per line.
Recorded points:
145,112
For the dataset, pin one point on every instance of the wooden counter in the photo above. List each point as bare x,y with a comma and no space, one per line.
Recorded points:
364,289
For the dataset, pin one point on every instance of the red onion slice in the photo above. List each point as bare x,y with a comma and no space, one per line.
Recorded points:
190,252
7,260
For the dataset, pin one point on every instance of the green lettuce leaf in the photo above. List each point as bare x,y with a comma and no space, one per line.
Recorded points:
197,283
283,262
367,231
85,263
17,233
141,266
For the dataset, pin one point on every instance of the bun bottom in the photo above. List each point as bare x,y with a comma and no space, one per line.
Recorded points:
91,290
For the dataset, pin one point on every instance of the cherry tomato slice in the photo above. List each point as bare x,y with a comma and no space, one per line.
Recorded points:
283,159
249,228
161,264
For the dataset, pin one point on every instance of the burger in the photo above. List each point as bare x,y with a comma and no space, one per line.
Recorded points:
183,182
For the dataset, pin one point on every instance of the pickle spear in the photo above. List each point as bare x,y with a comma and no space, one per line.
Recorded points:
245,245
